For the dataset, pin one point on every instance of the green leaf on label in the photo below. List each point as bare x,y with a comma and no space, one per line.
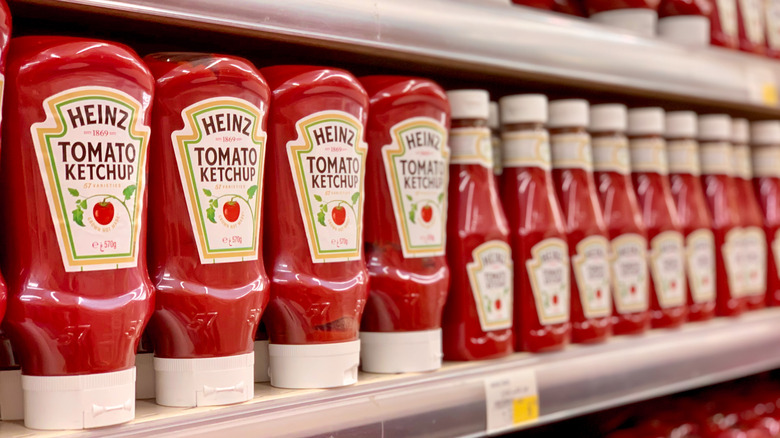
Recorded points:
207,192
83,204
318,198
321,218
251,191
355,197
411,216
78,216
325,208
73,192
408,197
441,197
210,214
213,203
128,192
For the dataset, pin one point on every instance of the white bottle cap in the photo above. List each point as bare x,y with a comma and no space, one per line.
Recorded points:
210,381
524,108
608,117
11,395
79,402
400,352
493,121
144,376
715,127
639,21
568,113
740,133
686,30
314,365
261,361
469,104
765,132
681,124
646,121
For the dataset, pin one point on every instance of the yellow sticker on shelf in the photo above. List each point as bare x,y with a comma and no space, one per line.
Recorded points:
511,400
525,409
769,94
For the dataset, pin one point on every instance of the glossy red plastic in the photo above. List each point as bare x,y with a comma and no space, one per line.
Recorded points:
772,25
65,323
693,215
202,309
724,24
670,8
533,213
751,215
406,294
621,217
596,6
752,34
310,302
768,191
5,36
475,217
570,7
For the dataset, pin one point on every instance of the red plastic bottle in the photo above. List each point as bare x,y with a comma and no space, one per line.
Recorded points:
685,22
538,238
537,4
591,299
752,34
666,247
724,24
314,225
637,16
765,139
627,234
752,237
715,157
205,250
477,320
406,219
772,25
74,167
692,212
10,407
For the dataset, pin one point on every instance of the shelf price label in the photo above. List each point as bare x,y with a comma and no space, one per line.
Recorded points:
511,400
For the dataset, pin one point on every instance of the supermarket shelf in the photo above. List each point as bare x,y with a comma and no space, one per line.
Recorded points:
451,402
486,37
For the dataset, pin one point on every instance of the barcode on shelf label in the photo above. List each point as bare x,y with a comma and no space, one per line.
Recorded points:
511,400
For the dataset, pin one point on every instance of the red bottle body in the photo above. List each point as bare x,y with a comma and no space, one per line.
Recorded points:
768,190
313,300
724,24
406,293
86,317
5,36
752,34
209,275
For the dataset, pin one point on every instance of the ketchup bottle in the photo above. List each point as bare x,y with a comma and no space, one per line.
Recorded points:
752,34
477,321
495,141
765,138
74,167
205,251
537,235
591,300
692,212
314,237
772,25
752,237
637,16
666,250
406,219
715,157
685,22
724,24
10,374
627,234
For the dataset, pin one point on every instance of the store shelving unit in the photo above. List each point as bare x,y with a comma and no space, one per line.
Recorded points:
451,401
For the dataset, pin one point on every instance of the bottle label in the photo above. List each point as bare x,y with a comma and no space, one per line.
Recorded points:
753,258
527,149
417,171
610,154
668,268
327,161
91,152
571,151
752,13
471,146
700,253
498,166
490,278
716,158
648,155
766,160
683,157
629,273
732,259
220,154
548,272
591,272
727,14
741,156
773,24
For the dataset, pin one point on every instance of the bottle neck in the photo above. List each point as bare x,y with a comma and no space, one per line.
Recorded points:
647,154
610,152
570,148
470,143
526,145
716,157
683,156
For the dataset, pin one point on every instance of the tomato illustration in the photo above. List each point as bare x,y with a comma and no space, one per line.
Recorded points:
339,215
231,210
426,213
498,301
103,212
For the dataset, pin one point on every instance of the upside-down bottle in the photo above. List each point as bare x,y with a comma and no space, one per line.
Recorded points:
765,140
